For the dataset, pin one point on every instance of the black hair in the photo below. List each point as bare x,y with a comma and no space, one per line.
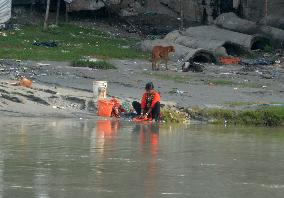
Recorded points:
149,86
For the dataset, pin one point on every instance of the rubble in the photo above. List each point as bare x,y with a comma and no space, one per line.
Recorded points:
45,43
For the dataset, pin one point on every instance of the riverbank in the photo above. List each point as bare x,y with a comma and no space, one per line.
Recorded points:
61,88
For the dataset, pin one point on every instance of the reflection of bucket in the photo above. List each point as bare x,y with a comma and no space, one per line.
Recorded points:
100,90
105,108
104,128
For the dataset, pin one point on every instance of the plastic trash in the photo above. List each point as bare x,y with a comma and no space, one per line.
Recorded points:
24,82
229,60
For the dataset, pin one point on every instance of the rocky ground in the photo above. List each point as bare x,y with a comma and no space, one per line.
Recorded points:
64,91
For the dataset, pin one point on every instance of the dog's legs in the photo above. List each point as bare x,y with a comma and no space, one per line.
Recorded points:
153,65
166,60
158,65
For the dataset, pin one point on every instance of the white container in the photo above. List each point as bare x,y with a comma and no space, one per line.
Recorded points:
100,90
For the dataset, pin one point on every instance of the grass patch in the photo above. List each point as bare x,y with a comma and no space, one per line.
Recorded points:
73,43
171,116
222,82
93,64
268,116
171,77
238,104
268,48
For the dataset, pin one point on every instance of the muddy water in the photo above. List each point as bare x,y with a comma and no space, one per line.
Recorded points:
75,158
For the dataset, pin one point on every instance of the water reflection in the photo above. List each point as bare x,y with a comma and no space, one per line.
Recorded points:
148,138
109,158
149,143
103,135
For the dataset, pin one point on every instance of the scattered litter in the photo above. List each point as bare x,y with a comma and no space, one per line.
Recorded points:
24,82
89,59
225,73
43,64
177,91
194,66
125,47
259,61
126,106
45,43
3,34
93,59
65,51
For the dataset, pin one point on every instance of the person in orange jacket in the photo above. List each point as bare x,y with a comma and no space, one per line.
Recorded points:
150,103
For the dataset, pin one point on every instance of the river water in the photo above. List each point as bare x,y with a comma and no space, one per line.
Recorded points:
45,158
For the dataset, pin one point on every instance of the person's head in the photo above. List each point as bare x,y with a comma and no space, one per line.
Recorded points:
149,87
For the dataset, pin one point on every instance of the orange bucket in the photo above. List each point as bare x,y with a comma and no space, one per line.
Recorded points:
105,108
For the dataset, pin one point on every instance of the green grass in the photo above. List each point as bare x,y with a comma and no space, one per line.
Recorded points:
95,65
225,82
74,42
222,82
268,116
240,103
171,116
170,77
237,104
268,48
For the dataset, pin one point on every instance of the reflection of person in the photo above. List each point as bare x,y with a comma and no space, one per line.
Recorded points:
150,103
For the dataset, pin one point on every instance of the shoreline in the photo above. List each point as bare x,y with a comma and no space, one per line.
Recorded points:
68,90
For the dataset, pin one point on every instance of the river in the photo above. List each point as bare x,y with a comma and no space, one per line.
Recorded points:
46,158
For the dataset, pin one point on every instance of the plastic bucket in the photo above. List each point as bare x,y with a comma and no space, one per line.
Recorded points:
99,90
105,108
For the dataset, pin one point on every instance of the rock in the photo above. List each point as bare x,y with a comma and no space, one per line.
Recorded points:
12,98
91,106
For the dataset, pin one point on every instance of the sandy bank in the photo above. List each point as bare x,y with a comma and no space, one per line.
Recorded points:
61,90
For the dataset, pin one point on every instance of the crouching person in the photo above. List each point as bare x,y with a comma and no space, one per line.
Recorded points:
150,104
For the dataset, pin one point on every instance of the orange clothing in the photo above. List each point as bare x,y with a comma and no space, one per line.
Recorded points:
150,99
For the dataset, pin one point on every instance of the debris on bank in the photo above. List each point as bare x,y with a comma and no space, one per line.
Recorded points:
225,42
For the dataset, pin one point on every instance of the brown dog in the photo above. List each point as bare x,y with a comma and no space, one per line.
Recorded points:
161,53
